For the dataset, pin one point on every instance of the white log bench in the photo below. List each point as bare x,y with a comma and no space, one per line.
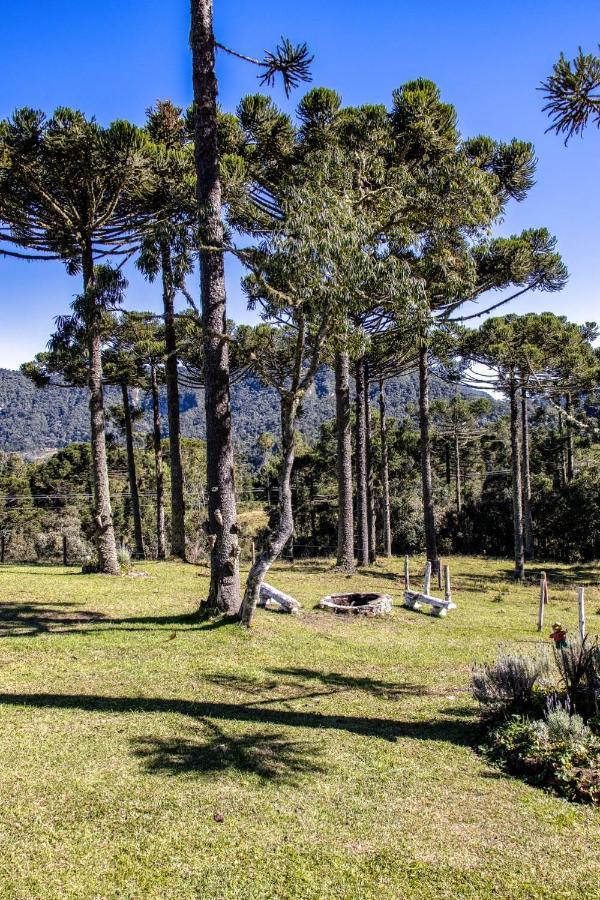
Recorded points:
416,599
271,598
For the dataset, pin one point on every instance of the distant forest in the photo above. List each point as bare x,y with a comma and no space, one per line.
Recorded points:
33,420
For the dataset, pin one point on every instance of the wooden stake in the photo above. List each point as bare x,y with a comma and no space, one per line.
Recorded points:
447,589
406,575
253,552
581,604
439,573
543,589
427,578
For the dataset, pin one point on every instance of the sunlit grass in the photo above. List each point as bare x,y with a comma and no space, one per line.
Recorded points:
143,754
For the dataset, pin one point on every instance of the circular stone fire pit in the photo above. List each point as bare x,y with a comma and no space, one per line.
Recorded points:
359,604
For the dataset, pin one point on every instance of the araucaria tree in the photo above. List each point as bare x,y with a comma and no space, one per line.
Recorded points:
292,63
66,190
572,94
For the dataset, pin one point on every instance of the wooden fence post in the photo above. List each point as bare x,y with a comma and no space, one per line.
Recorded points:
540,621
439,573
581,604
447,589
253,552
406,575
427,578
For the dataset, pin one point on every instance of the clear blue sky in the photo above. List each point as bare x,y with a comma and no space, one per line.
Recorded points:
113,59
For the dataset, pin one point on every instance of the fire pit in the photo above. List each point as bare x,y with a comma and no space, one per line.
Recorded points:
359,604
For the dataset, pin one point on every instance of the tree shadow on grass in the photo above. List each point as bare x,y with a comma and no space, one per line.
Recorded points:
268,754
453,730
377,688
29,619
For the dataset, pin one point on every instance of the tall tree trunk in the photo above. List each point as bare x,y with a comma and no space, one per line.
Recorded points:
158,466
362,500
370,487
224,593
132,476
345,548
103,520
448,463
516,481
285,526
570,467
458,473
562,454
172,384
527,513
385,473
426,471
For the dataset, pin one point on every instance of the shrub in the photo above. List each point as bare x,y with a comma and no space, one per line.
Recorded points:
124,559
579,666
509,683
564,726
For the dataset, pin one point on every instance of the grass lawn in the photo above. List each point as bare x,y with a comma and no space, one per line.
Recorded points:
143,755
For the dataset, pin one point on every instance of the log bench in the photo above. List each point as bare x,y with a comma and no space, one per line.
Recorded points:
416,599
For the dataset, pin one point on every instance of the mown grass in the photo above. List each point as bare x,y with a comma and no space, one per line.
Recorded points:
143,754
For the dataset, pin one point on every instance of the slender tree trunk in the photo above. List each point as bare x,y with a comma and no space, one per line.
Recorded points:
426,471
369,454
132,476
527,513
570,468
285,527
362,500
103,520
448,464
458,473
516,482
158,466
385,473
224,593
172,384
562,456
345,551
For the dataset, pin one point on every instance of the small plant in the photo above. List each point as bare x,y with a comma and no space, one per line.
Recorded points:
124,558
89,566
509,683
579,666
563,726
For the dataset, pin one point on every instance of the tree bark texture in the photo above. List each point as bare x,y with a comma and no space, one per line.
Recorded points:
103,520
362,501
570,462
426,470
371,520
516,481
158,467
527,513
385,473
224,592
172,384
132,476
345,548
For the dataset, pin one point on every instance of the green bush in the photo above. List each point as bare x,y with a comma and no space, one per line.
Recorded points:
508,685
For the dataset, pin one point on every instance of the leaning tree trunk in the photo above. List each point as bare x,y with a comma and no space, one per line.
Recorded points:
426,471
132,476
570,467
385,473
158,466
172,384
285,526
527,513
345,550
516,482
458,473
103,520
224,592
370,488
362,501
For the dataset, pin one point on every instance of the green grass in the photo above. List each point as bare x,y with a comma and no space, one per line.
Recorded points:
143,755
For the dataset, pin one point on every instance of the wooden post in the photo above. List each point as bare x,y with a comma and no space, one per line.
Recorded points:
581,604
439,573
540,621
447,590
406,575
546,597
427,578
64,543
253,552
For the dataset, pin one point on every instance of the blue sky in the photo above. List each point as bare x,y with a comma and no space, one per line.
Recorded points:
113,59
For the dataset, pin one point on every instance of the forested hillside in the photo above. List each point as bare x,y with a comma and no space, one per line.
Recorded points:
33,420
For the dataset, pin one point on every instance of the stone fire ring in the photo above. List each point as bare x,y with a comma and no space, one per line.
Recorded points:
359,604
